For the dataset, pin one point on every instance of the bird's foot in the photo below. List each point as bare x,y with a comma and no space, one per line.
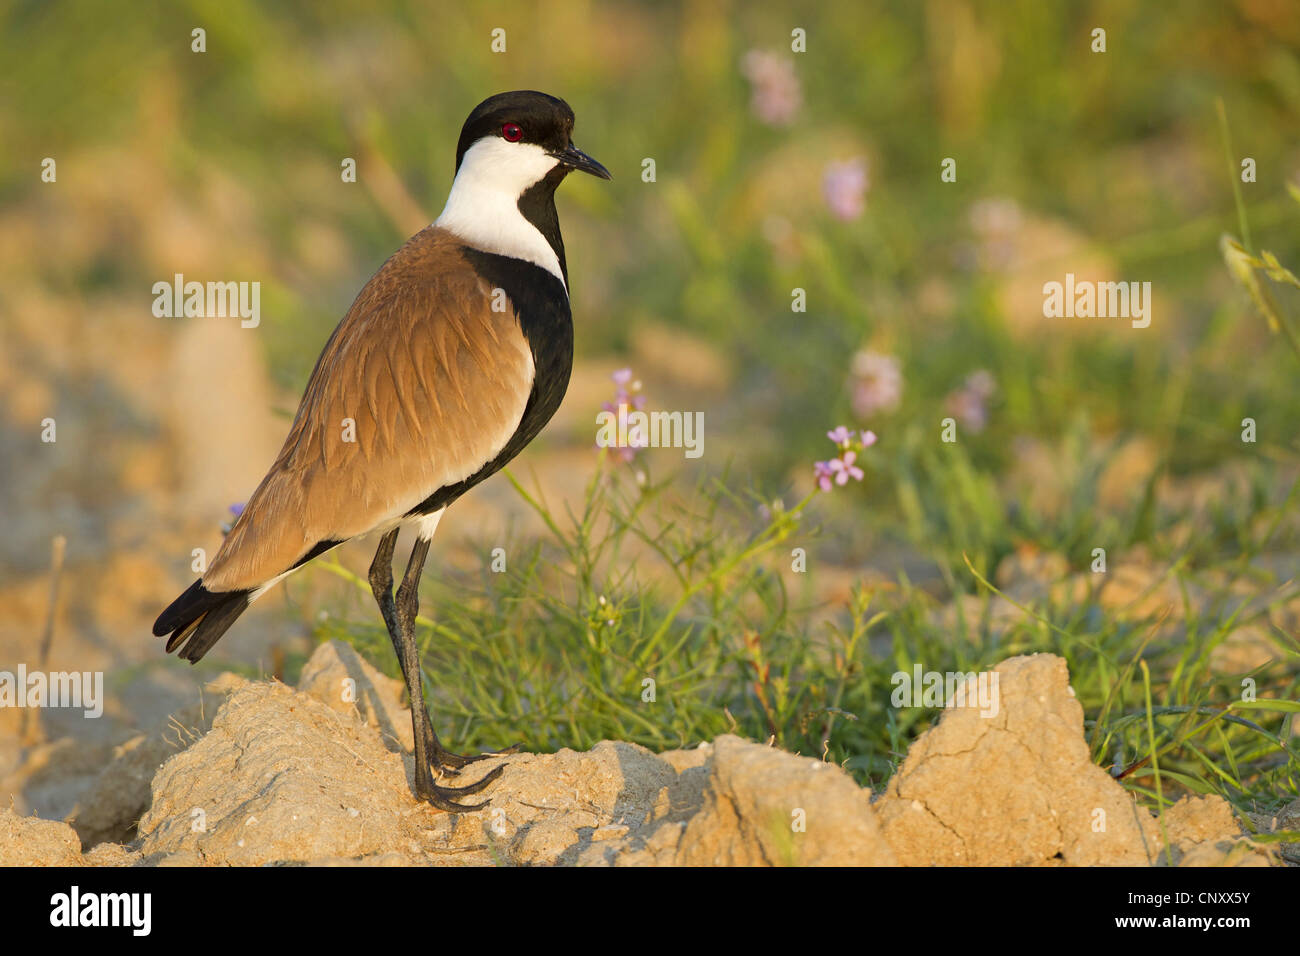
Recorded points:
444,798
450,764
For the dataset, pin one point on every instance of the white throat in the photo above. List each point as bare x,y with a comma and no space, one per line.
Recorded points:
483,207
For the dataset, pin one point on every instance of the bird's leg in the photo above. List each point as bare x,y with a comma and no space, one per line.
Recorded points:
399,615
381,583
444,760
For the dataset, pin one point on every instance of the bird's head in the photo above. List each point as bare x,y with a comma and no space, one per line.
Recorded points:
514,150
514,140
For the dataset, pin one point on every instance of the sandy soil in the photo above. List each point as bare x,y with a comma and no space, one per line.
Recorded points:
259,772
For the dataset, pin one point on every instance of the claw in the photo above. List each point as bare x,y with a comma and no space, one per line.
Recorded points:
440,797
450,763
451,806
487,781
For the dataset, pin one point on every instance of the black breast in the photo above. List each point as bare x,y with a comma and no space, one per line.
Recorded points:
542,305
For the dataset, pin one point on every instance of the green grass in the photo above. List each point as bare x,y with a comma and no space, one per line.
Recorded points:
554,650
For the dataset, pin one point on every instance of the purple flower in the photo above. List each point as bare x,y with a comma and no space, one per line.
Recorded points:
627,391
627,398
236,510
841,436
775,95
844,185
823,472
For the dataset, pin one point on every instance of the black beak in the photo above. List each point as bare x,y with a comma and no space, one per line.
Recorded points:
575,158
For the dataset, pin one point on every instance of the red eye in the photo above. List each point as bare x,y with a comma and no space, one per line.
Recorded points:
511,133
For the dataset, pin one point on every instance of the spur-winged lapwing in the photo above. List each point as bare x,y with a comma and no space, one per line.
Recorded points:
451,359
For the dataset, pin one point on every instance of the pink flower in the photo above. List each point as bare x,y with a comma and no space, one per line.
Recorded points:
845,469
776,94
981,383
844,185
627,391
969,404
627,397
823,472
876,383
841,436
838,470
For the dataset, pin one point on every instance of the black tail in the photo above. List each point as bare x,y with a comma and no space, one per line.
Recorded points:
202,616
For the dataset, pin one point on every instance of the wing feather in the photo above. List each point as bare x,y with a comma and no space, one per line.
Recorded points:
435,383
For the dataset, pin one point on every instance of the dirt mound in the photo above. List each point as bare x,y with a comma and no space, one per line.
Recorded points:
756,806
30,841
1014,789
322,775
121,792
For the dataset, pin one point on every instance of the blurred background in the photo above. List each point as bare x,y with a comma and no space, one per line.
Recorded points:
774,170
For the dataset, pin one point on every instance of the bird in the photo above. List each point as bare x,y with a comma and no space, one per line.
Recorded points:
451,359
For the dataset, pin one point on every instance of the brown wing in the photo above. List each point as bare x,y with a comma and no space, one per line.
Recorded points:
420,385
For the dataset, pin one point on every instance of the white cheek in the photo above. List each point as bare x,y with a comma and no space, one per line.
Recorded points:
493,163
483,205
